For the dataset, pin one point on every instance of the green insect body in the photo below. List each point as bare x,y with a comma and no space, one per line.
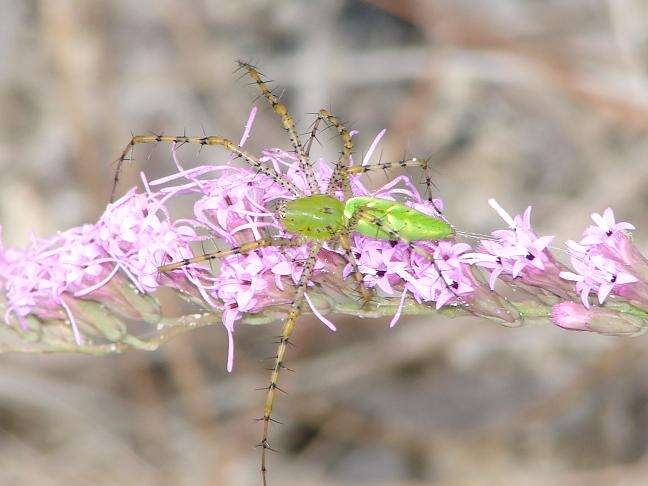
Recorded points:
323,217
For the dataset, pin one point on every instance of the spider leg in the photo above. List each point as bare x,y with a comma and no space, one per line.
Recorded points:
238,250
288,123
340,178
424,164
312,136
344,239
284,340
202,141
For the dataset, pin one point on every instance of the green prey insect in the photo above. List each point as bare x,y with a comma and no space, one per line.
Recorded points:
314,219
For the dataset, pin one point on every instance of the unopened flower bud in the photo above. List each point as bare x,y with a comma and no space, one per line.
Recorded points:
576,317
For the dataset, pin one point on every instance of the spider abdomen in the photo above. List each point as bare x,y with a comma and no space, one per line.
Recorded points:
390,220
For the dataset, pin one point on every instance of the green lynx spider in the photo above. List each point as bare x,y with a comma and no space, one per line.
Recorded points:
314,219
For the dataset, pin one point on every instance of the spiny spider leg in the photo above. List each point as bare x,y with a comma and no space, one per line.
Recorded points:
424,164
344,239
202,141
286,333
288,123
238,250
312,136
339,178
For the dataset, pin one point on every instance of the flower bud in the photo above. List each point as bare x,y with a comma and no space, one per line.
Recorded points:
576,317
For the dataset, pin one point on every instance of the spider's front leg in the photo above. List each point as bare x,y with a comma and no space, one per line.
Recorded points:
227,144
423,164
288,123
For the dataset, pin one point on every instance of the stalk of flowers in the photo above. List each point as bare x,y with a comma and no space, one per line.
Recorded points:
605,263
94,277
90,279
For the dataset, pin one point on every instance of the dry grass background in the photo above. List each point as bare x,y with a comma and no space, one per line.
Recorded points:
542,103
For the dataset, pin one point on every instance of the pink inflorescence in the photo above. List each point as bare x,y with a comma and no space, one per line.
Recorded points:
604,260
234,205
132,235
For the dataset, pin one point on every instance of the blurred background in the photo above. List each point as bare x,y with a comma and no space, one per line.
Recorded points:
541,103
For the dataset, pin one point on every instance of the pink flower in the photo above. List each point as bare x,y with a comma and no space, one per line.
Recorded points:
518,251
595,273
603,261
605,228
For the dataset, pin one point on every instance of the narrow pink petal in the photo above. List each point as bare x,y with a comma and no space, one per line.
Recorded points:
230,350
604,291
625,278
527,217
75,329
584,294
493,277
571,276
326,322
384,285
443,299
373,146
399,310
600,222
460,248
101,283
542,242
248,126
592,239
500,210
624,226
518,266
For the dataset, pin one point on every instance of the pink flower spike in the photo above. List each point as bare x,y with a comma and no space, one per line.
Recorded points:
317,313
